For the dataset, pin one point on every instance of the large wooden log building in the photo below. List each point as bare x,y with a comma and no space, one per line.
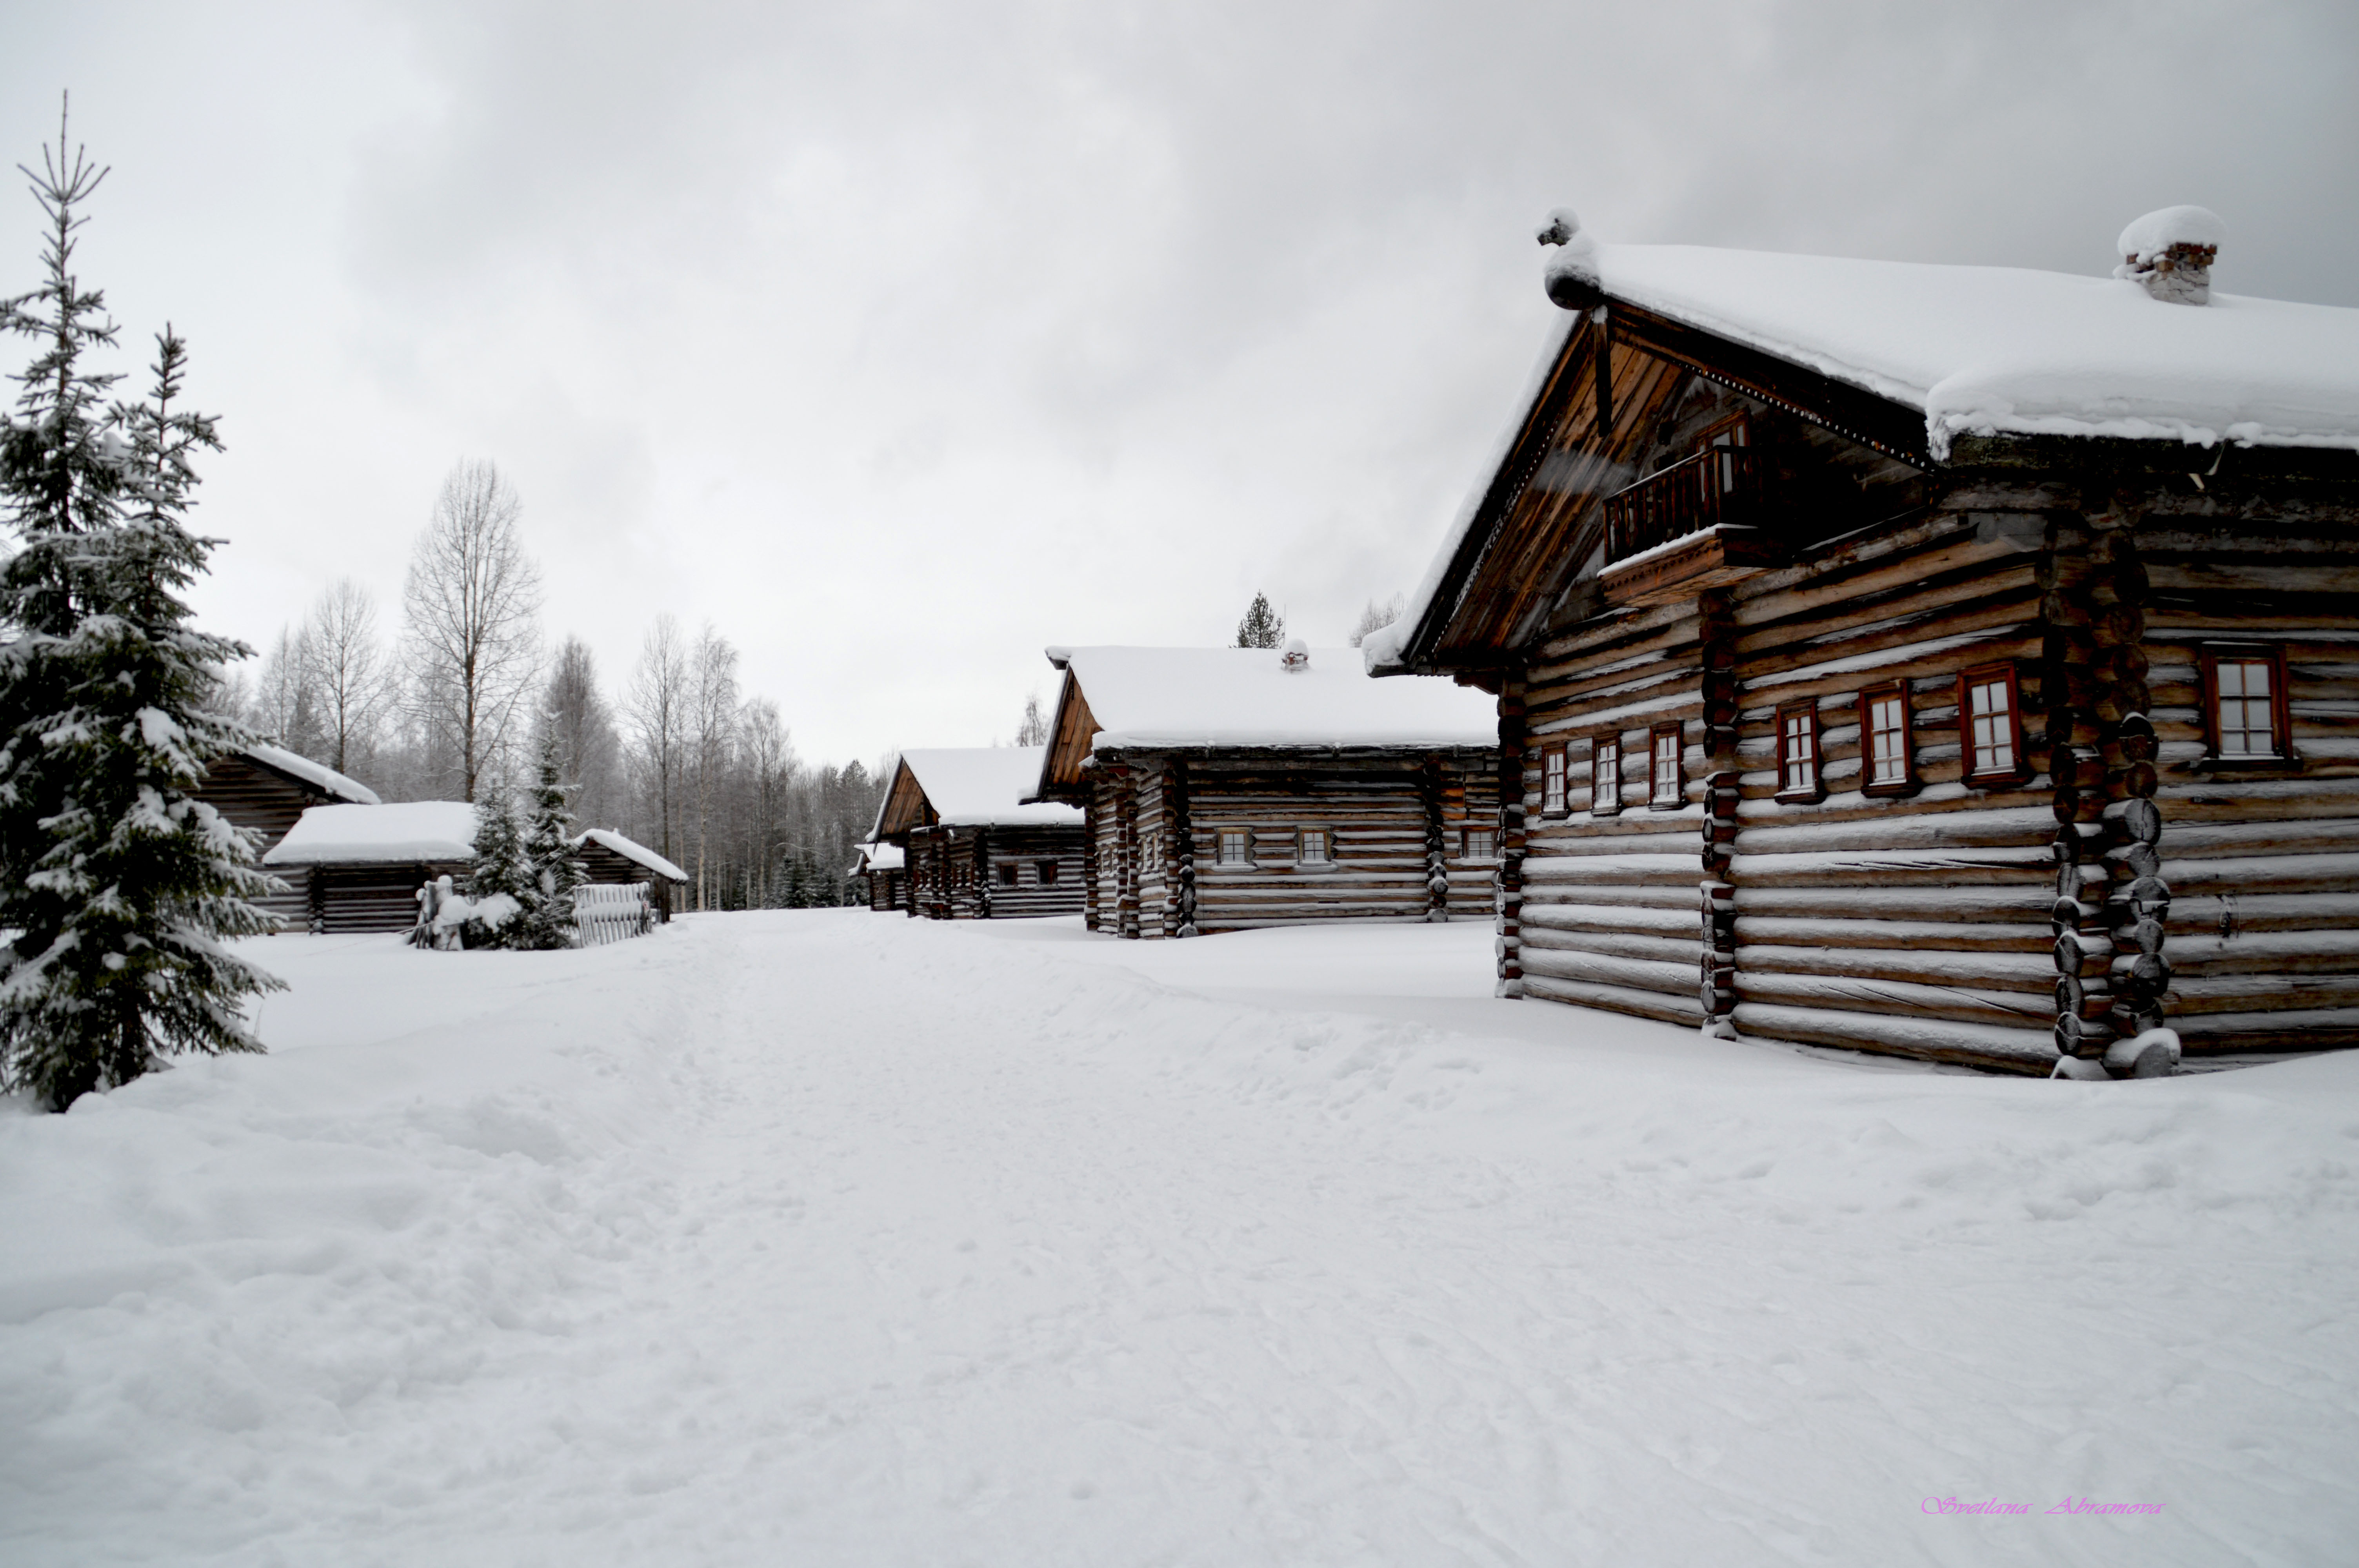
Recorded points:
974,850
363,865
264,789
1983,643
1229,788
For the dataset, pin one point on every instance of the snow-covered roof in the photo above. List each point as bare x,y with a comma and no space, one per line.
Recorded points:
979,788
633,850
409,830
880,858
2010,351
319,776
1246,697
1979,349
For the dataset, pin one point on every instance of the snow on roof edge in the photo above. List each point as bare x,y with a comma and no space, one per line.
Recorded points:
632,851
319,774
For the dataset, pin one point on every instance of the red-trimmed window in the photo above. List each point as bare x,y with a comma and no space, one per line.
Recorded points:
1606,775
1887,752
1798,752
1666,781
1990,726
2246,718
1553,782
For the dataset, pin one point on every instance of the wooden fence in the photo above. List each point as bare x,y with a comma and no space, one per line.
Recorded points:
607,912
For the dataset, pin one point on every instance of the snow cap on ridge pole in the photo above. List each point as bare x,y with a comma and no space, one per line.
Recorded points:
1570,276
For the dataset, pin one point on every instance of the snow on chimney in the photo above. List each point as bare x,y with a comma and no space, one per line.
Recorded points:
1297,656
2171,253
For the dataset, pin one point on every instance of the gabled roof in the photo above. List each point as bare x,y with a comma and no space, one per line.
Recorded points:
632,851
979,786
404,833
1929,365
311,776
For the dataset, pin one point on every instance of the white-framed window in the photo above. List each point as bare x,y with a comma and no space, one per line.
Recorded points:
1479,844
1669,783
1886,755
1991,720
1797,751
2247,693
1605,776
1237,846
1553,781
1314,847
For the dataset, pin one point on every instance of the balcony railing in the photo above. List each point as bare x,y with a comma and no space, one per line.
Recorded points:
1718,486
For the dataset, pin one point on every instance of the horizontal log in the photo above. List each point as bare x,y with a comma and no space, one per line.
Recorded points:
1901,998
2028,865
1612,918
1844,932
2308,1030
1655,870
2203,915
1643,947
1639,1003
1672,978
2001,826
2000,904
2262,874
2303,835
2260,993
2034,972
1927,1039
2266,952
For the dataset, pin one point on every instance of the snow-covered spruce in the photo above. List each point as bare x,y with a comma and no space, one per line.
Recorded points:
120,887
553,869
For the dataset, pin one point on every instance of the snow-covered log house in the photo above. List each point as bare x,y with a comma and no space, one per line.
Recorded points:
363,865
264,789
1958,662
880,869
609,858
1230,788
972,849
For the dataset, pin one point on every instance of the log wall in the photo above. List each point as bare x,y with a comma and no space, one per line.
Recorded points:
1395,822
955,873
350,899
265,803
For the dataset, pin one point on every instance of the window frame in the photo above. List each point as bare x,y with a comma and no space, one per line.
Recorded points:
1046,873
2209,658
1220,847
2019,767
1907,783
1466,843
1327,837
1677,733
1816,788
1607,801
1011,873
1556,773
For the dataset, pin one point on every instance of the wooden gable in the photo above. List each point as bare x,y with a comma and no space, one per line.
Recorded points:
1071,732
906,806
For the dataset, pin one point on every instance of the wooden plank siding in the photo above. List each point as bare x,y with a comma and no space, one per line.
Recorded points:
1390,818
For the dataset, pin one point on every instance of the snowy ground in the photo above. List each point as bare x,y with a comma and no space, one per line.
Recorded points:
833,1238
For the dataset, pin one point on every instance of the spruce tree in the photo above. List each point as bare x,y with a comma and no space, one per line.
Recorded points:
117,886
554,869
498,872
1262,627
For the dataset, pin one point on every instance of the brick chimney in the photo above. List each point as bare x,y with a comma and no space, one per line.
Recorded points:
2171,253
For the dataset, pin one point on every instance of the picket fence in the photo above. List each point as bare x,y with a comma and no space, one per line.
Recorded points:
604,911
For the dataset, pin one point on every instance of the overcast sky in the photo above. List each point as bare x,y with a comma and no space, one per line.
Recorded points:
898,341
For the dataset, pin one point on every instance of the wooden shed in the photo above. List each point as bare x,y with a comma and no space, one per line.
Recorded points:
365,863
1229,788
1981,641
609,857
264,789
972,850
881,868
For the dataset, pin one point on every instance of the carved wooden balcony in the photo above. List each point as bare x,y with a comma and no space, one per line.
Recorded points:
1699,524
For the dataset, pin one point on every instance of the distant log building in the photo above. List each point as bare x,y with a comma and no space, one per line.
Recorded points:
1230,788
363,864
264,789
1984,641
607,857
880,869
972,850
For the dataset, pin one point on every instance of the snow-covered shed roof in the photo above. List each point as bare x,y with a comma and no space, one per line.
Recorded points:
979,786
407,831
632,851
1247,697
880,858
1978,350
324,778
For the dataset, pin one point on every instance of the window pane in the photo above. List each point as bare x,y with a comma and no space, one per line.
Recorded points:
1888,723
1605,778
2247,719
1666,768
1552,773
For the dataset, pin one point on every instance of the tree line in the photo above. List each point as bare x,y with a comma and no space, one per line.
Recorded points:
449,702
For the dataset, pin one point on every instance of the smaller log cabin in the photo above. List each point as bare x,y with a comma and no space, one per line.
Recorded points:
609,858
264,789
365,864
1951,662
880,866
1231,788
972,850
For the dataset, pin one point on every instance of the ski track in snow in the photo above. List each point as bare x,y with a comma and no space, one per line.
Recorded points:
832,1238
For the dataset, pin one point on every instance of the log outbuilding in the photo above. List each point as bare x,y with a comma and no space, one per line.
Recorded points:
1230,788
363,864
1984,641
881,869
974,850
264,789
609,858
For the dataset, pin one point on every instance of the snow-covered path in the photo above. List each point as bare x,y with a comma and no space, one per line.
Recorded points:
838,1239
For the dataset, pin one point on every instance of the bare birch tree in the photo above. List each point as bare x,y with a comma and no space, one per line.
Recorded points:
282,707
472,602
657,707
714,719
346,672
